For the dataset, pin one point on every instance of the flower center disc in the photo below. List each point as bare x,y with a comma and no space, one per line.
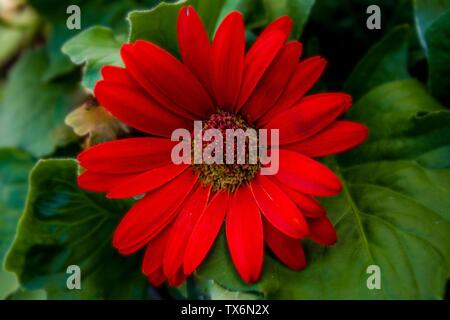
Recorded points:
227,176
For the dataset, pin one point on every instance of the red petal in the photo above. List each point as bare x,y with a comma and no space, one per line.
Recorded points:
157,277
138,110
154,254
177,279
288,250
309,116
152,213
338,137
306,175
194,45
205,232
146,182
228,60
166,79
173,78
309,206
118,75
101,182
257,61
151,89
181,231
306,75
278,208
322,231
127,155
262,54
283,24
245,235
273,82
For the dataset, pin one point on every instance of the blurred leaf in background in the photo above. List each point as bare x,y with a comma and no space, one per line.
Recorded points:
337,31
386,61
19,24
93,12
425,13
438,40
32,111
14,168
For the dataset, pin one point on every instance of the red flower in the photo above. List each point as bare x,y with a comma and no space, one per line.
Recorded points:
184,206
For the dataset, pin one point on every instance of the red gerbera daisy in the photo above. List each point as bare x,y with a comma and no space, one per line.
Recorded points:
184,206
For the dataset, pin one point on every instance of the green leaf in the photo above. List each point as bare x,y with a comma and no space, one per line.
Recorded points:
438,39
298,10
394,210
156,25
63,225
32,111
426,12
96,47
14,168
404,121
384,62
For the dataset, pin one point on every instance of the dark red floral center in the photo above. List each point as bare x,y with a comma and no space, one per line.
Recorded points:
228,176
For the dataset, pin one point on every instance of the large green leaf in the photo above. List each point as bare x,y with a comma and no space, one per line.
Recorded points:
96,47
62,226
32,111
14,168
386,61
426,12
394,210
438,39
